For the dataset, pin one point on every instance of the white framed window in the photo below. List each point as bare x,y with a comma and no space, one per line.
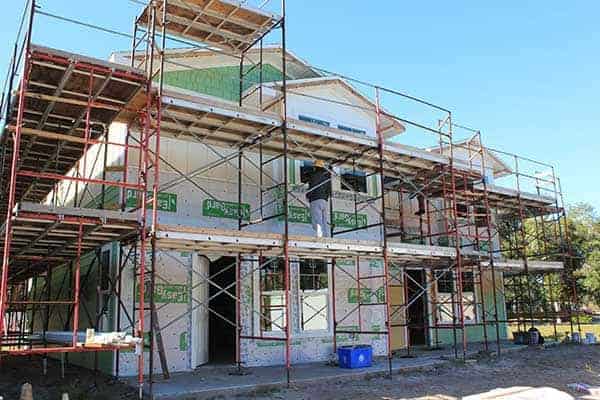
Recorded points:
314,295
444,304
272,297
448,305
469,299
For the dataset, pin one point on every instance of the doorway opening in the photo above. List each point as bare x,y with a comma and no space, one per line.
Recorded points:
221,333
417,311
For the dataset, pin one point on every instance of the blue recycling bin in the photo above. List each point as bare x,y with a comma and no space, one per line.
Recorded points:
360,356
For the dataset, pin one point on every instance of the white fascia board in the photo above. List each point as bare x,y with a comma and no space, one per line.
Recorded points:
415,152
513,193
534,265
221,111
219,238
332,135
336,246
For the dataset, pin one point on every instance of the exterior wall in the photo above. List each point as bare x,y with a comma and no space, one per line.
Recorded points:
177,317
307,101
179,291
407,209
67,192
60,316
179,284
310,346
211,200
181,287
175,298
476,333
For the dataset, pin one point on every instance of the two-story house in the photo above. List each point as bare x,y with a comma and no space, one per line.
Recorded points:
196,290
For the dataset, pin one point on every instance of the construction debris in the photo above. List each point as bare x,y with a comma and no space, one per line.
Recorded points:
94,339
91,338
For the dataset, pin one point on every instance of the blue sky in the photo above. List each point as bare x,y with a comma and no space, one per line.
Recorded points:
524,72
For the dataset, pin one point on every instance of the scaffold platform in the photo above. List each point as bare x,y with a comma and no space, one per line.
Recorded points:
518,266
61,88
45,235
195,117
228,25
223,242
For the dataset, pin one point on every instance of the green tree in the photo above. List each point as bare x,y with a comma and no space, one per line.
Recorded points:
543,238
584,226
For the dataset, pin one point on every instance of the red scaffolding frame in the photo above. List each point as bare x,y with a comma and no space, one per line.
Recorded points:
64,105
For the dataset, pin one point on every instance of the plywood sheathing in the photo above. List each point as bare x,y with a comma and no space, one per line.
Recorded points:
226,25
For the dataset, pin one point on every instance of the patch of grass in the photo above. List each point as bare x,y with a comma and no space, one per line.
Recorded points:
547,330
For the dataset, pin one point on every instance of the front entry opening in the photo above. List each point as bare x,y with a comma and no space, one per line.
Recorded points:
222,305
417,311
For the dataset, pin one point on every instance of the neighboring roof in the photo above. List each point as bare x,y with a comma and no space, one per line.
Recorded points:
394,125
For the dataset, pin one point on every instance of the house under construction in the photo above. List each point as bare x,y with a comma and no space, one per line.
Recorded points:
163,194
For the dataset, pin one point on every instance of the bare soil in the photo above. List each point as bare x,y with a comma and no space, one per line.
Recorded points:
79,383
552,367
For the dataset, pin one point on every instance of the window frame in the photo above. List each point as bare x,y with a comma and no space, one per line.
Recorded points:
456,307
259,318
474,304
314,332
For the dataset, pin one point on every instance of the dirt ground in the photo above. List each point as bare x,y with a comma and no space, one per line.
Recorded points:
79,383
553,368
